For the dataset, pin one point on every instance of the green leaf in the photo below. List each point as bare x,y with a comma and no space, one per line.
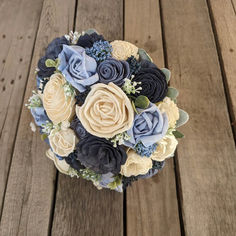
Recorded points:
142,102
183,118
143,55
90,31
177,134
167,74
132,102
43,136
50,63
57,62
172,93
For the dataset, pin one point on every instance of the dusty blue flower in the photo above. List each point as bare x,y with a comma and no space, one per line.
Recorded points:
149,126
145,151
39,114
100,51
78,68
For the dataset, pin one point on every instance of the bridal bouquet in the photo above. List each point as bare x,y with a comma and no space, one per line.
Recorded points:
105,110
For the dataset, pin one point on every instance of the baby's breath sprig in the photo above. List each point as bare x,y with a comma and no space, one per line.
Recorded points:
73,37
34,101
85,174
117,181
170,131
47,128
68,90
130,86
119,139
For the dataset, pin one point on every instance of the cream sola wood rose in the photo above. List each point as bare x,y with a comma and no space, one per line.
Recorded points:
171,110
135,164
57,105
63,141
122,50
107,111
61,165
165,148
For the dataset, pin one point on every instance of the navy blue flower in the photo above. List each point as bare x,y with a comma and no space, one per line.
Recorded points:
44,71
99,155
73,161
87,40
153,82
78,128
52,52
112,70
55,47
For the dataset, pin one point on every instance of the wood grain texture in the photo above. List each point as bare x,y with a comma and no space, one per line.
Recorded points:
80,208
16,46
30,188
224,20
206,157
152,207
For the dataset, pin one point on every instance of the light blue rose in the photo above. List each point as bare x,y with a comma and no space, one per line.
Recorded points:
149,126
78,68
39,114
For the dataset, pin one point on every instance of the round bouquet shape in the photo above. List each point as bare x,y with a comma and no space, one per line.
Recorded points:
105,110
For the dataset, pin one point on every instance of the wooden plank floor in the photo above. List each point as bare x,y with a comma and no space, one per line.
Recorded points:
195,192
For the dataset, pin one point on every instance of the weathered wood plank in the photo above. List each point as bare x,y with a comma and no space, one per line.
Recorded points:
224,16
16,45
81,208
152,207
206,157
30,188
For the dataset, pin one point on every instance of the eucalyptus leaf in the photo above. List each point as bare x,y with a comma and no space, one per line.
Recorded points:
91,31
172,93
183,118
43,136
142,102
50,63
167,73
57,62
177,134
133,105
143,55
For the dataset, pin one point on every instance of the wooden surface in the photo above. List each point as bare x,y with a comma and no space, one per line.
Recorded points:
161,217
30,189
80,207
223,15
206,157
195,193
16,46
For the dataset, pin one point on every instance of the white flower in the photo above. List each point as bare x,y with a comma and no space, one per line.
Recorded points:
107,111
62,142
135,164
58,107
122,50
171,110
166,148
61,165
